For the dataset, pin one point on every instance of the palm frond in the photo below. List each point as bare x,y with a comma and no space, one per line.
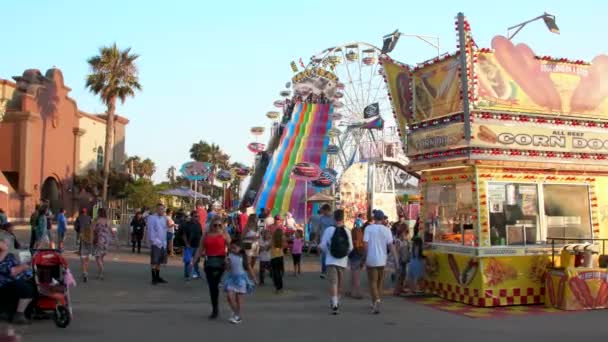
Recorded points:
113,74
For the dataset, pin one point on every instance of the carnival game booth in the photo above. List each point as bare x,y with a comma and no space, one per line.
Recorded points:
512,149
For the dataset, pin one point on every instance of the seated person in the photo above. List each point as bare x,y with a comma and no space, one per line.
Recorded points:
8,230
13,286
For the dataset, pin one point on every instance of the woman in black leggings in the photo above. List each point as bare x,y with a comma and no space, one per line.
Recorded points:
213,247
276,262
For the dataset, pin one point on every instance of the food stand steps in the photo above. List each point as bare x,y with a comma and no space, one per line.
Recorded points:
477,312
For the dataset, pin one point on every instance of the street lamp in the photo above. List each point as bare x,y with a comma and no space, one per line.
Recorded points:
549,20
390,40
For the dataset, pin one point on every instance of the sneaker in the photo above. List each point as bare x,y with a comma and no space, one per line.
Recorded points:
161,281
213,315
334,310
20,319
195,276
235,319
376,307
323,276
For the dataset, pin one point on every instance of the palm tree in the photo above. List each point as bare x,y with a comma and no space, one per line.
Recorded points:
113,76
171,174
212,153
133,164
148,168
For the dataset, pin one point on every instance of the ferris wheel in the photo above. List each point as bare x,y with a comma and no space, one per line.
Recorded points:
360,98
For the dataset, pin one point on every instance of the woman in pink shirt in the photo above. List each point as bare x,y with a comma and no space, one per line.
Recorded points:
296,252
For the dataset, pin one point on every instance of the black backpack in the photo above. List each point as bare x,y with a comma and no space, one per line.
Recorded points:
339,243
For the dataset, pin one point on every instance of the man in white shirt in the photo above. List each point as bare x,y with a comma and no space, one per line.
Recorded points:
376,240
157,237
336,256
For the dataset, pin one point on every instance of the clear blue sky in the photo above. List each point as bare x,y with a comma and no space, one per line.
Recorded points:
211,69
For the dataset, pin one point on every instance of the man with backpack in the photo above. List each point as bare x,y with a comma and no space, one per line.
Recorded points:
336,244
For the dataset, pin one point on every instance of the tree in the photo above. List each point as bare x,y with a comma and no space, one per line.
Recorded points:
142,193
212,153
92,182
148,168
133,164
171,175
113,76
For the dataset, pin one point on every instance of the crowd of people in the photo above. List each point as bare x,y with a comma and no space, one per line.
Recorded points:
231,247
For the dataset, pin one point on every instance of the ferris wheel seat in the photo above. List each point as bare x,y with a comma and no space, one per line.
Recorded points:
368,60
352,56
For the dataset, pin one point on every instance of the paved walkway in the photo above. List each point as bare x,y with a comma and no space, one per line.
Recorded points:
125,307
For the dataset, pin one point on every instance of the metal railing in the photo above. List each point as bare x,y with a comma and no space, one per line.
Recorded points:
591,241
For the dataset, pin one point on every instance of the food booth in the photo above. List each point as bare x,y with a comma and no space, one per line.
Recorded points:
512,149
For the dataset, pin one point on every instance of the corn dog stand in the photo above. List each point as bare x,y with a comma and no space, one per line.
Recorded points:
512,149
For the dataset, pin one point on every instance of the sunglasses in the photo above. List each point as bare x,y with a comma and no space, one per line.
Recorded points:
217,225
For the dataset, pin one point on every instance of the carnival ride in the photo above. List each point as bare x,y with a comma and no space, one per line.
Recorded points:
342,94
364,130
304,140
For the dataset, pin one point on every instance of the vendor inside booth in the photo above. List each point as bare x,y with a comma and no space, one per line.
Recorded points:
513,180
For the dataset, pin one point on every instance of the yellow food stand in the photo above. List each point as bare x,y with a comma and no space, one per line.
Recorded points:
512,149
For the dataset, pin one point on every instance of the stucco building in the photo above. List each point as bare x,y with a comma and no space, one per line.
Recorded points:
46,140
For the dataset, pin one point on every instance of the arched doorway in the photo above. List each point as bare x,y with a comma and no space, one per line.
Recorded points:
51,192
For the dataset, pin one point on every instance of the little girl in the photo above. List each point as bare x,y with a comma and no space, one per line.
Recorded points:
264,255
402,245
415,268
239,279
296,252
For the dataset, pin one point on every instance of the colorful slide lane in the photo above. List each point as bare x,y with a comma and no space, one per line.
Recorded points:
304,140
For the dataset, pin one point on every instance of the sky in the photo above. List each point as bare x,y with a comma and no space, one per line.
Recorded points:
211,70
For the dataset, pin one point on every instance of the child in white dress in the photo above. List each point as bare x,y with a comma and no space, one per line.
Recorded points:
239,279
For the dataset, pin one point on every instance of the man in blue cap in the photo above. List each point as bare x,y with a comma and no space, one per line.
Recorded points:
377,239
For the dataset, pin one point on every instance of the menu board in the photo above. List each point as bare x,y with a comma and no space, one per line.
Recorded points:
496,197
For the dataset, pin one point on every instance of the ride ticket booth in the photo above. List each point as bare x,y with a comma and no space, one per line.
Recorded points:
512,150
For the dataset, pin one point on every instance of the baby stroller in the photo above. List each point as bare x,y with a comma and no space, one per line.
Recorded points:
53,279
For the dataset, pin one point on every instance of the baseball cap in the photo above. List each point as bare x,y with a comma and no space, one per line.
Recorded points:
379,215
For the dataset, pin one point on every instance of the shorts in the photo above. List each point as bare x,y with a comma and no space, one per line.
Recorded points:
297,258
18,289
355,260
60,235
85,249
334,274
170,236
158,255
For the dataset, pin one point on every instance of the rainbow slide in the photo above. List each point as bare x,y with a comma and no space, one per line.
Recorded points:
304,140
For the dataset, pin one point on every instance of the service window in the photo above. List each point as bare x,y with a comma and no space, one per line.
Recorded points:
448,209
567,211
514,217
